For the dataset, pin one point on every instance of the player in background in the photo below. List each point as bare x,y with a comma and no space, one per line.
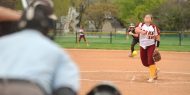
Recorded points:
82,35
149,41
131,31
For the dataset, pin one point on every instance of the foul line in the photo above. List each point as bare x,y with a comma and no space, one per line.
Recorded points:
134,82
115,71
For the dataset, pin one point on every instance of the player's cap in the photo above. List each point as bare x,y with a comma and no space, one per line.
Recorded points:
40,14
132,25
104,89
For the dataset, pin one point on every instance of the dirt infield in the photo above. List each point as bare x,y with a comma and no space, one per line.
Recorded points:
129,75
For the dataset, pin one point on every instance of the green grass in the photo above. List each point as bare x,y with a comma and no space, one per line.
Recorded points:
119,42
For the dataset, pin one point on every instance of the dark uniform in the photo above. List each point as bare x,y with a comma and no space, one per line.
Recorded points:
135,39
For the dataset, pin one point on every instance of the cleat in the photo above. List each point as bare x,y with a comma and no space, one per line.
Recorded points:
130,55
150,80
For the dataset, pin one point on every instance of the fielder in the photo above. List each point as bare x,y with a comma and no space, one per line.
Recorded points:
149,42
131,31
82,35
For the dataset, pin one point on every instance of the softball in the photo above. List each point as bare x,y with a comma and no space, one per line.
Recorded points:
134,53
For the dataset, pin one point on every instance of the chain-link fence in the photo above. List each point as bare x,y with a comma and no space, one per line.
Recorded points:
167,38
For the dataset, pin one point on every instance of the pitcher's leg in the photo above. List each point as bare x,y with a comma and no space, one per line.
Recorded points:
144,57
150,51
152,66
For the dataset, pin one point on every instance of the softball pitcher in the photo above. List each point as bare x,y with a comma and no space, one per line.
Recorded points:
149,42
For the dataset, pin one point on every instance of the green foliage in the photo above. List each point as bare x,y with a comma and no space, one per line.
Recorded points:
168,14
133,10
61,7
174,15
19,5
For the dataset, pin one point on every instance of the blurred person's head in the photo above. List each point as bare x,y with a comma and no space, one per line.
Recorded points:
131,25
148,18
104,89
39,16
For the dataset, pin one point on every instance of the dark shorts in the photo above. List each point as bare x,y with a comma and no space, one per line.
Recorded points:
82,37
147,55
133,43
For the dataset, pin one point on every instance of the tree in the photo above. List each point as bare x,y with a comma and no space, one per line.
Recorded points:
174,15
61,7
133,10
97,12
168,14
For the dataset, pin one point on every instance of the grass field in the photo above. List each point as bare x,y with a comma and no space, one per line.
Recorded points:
169,42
